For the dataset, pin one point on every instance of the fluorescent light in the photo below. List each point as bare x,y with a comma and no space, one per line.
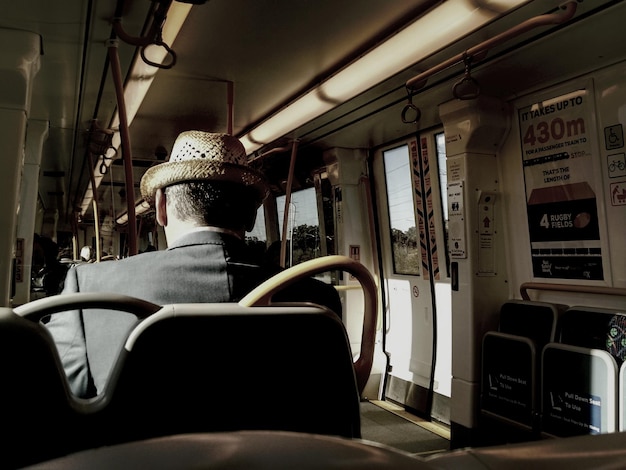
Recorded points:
441,26
140,208
301,111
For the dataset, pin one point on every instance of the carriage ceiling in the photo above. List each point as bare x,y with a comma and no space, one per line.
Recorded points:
268,52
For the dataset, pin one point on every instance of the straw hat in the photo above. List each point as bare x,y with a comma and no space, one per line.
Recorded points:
199,155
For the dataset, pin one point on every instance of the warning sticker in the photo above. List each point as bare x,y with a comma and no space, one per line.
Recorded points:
618,194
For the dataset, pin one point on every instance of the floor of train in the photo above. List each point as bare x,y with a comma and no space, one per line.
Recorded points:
391,425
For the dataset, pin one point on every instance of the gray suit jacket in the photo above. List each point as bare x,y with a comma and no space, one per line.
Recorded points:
200,267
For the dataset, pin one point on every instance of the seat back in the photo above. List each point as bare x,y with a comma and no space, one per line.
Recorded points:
581,373
38,421
224,367
579,391
621,387
595,328
508,379
530,319
510,365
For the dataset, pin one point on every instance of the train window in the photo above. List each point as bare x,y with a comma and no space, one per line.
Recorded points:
401,207
256,239
303,229
258,233
326,205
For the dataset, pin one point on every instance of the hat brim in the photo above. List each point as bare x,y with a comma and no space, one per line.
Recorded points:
169,173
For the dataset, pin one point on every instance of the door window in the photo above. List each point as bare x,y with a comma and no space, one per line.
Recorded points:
401,207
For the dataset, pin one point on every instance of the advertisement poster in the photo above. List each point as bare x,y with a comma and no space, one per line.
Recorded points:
560,194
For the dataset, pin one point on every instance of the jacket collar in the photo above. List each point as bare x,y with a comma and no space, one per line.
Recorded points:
205,235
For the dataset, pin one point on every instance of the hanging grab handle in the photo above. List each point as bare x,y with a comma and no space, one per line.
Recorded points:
467,88
411,114
152,38
170,52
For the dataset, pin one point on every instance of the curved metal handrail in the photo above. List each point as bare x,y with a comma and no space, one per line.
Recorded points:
262,295
37,309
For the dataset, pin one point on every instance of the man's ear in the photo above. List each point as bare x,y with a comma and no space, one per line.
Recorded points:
160,206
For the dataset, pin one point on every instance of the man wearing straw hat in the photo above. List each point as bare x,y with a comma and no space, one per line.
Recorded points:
206,198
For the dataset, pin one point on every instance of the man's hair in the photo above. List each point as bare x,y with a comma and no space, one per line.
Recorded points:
215,203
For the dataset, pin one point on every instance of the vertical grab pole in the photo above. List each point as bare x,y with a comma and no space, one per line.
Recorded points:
230,98
283,241
74,237
116,70
96,209
96,221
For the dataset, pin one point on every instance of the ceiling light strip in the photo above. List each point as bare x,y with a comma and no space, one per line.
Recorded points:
441,26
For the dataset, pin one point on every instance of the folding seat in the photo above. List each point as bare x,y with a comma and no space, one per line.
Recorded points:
579,391
580,374
511,367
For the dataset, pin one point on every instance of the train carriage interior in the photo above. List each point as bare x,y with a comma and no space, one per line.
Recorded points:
455,169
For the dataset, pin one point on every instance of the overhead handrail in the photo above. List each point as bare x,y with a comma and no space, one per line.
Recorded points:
262,295
270,152
599,290
568,10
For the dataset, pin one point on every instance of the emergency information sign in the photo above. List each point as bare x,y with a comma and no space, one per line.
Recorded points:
559,175
456,219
